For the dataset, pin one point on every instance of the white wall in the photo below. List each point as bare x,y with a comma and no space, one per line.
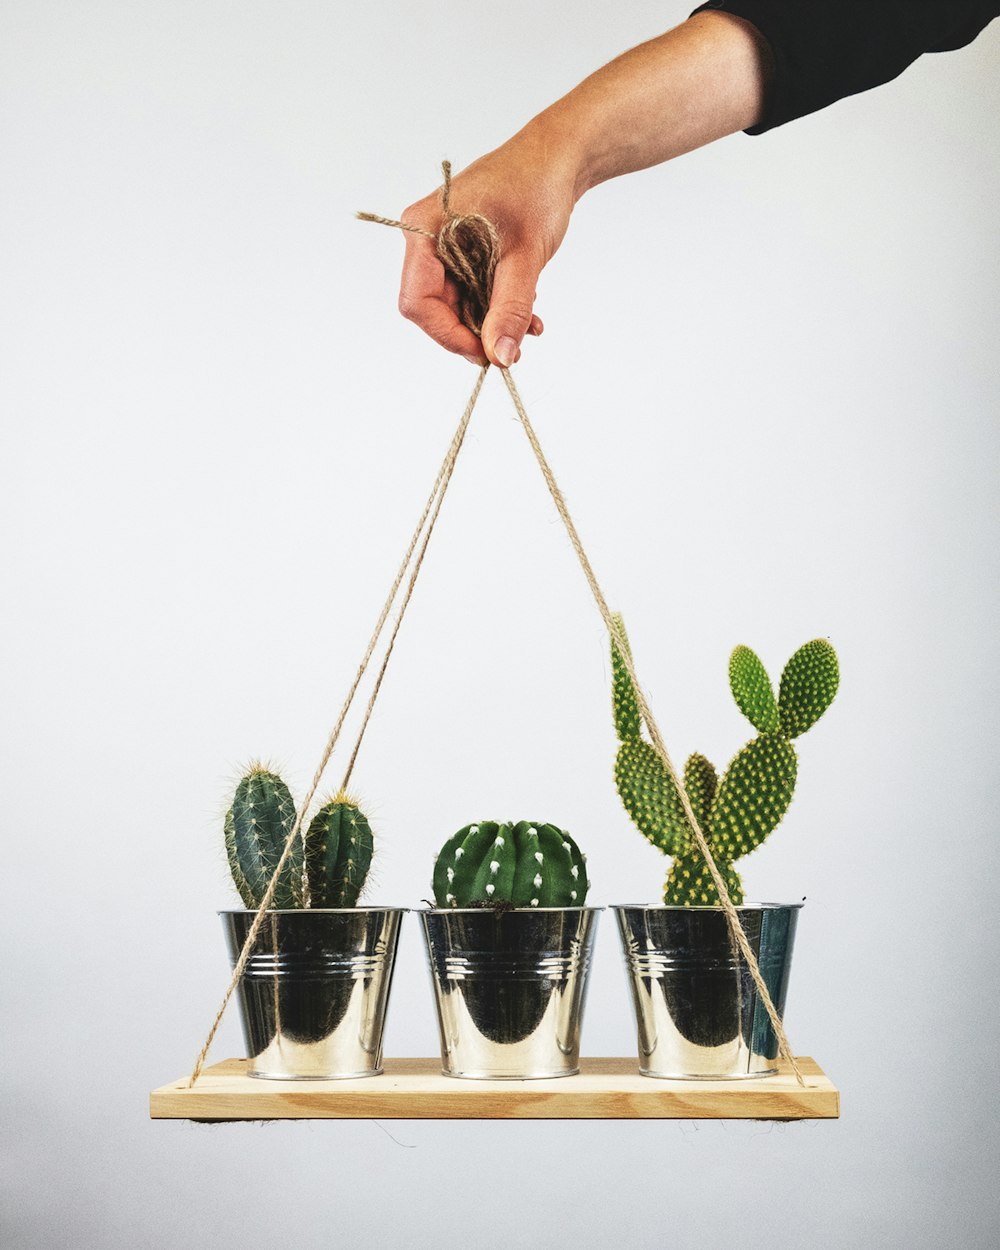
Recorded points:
769,386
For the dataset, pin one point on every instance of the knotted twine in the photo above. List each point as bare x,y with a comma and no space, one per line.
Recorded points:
469,248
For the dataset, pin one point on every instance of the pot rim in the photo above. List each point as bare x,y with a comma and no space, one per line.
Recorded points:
490,911
706,907
305,911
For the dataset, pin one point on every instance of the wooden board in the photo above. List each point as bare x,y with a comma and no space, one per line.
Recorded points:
414,1089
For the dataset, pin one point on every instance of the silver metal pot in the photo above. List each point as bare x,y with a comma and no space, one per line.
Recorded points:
314,993
696,1006
510,988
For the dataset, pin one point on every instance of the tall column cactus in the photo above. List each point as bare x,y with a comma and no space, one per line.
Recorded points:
737,812
338,853
328,865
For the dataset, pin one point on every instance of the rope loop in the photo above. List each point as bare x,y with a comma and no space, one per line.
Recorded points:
468,245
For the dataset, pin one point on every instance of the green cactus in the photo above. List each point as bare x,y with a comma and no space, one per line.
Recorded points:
518,865
737,812
257,827
332,859
338,853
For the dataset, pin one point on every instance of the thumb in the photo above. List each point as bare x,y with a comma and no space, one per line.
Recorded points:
509,314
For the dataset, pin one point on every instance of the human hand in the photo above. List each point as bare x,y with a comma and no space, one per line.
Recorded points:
528,193
704,79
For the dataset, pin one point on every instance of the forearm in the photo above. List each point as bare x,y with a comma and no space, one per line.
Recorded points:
757,65
705,79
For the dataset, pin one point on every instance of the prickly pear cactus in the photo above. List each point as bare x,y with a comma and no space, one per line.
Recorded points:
520,865
737,812
332,859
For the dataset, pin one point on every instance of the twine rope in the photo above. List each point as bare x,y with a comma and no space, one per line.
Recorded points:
427,519
432,521
276,986
469,248
735,928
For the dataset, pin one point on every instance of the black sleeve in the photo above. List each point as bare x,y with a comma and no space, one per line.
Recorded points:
824,50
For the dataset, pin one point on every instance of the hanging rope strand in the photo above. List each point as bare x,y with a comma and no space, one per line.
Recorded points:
433,504
736,929
469,248
402,610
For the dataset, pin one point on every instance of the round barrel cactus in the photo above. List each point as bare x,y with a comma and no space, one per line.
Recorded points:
519,865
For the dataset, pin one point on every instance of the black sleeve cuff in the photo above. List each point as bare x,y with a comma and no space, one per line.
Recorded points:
824,50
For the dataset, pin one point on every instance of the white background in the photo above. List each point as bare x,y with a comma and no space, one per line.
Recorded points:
769,387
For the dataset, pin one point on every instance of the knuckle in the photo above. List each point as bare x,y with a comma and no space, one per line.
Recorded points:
513,312
409,215
420,213
409,307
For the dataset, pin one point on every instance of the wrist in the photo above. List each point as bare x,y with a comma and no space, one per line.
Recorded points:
561,145
553,145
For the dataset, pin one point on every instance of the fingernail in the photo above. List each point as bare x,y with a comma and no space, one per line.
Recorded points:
474,360
506,350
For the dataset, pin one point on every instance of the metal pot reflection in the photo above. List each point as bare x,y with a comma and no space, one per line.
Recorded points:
510,988
698,1011
315,989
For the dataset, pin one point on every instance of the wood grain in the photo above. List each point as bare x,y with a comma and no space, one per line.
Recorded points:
414,1089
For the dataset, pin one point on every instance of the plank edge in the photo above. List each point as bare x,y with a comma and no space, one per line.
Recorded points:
416,1090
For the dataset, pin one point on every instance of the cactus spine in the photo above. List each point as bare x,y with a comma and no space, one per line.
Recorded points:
517,865
737,812
332,859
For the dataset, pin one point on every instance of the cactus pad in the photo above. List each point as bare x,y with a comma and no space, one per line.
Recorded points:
808,685
628,720
752,691
651,798
754,794
701,783
521,865
689,882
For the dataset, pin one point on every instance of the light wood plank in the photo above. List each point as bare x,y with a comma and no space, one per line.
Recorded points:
414,1089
